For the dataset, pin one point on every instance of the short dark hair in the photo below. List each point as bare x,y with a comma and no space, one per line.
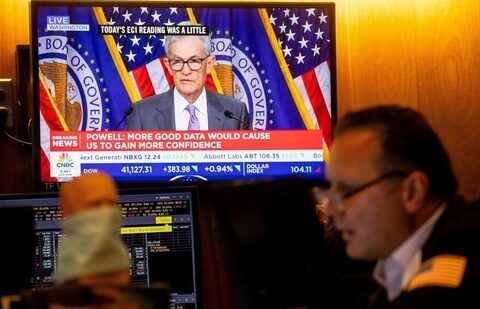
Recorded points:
408,143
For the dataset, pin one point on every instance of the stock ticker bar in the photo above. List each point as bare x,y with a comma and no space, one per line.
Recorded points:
171,155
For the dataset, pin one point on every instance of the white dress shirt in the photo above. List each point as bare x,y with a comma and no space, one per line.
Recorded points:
182,116
396,271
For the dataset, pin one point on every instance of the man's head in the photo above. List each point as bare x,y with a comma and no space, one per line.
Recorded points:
92,253
389,172
87,192
189,62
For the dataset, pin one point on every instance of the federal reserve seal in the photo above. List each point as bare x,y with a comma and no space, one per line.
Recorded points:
247,82
73,80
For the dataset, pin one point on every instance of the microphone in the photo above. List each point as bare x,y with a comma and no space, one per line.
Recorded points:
126,112
231,115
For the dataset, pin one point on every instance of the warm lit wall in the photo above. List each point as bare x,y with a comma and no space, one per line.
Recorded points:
15,159
419,53
14,29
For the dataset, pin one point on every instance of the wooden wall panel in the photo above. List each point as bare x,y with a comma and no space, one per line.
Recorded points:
417,53
375,54
13,30
421,54
448,76
15,159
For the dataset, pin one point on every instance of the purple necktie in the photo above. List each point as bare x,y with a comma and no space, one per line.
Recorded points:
193,124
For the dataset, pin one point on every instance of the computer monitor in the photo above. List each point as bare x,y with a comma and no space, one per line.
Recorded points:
17,239
159,227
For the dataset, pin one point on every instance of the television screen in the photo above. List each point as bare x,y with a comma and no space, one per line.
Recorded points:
93,60
159,228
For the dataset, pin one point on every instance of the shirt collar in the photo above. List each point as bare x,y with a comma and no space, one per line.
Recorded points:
181,103
394,272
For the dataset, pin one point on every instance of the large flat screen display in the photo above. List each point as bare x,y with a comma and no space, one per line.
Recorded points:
93,60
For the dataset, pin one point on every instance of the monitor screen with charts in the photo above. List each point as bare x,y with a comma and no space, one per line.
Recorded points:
159,227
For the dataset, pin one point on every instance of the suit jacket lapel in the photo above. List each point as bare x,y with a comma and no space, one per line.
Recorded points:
165,117
379,299
215,111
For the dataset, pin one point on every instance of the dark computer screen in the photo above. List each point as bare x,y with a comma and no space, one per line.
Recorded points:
159,229
272,243
17,238
277,252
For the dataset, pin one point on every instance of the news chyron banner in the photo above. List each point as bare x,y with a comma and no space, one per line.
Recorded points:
173,155
95,62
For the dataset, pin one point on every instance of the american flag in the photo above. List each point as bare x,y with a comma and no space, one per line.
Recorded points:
304,37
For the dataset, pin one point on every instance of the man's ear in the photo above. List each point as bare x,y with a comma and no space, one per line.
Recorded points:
415,191
210,63
165,62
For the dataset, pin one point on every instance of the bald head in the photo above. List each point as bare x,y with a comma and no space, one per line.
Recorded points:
86,192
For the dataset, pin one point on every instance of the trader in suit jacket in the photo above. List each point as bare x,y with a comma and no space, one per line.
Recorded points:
189,62
393,198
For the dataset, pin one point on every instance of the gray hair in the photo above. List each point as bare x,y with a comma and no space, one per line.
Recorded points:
205,39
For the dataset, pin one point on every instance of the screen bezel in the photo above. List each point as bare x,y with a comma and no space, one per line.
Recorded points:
36,4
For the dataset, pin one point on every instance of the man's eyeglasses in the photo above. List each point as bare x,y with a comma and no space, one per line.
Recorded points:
338,198
194,64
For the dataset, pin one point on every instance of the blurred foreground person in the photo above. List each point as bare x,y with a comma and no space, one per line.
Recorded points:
393,199
93,265
92,252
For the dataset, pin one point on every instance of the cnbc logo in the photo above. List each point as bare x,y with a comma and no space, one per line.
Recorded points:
65,160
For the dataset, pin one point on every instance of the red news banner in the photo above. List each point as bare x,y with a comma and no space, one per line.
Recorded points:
170,153
106,141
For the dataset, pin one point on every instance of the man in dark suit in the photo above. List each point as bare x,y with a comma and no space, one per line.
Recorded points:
189,105
393,198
